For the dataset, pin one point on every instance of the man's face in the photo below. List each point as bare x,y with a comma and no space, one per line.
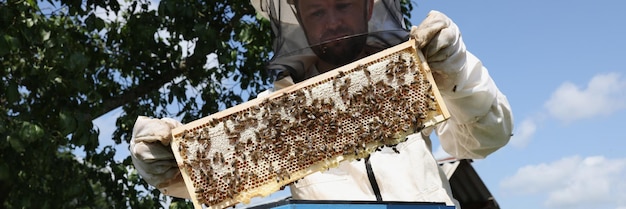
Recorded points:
325,21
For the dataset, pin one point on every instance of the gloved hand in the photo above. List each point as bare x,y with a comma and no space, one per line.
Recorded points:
440,41
153,157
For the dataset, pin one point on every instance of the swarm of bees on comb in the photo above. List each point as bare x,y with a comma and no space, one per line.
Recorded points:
258,147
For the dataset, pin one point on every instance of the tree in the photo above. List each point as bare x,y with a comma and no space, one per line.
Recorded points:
63,65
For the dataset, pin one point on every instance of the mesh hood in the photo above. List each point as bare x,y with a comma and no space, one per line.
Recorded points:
293,56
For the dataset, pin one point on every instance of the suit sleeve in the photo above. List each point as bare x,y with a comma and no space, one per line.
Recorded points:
481,120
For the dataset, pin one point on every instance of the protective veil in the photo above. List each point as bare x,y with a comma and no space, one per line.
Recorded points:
293,60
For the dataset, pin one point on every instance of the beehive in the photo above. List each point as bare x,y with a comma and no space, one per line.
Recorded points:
258,147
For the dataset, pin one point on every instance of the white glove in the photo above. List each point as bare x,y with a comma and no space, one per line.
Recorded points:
153,157
440,41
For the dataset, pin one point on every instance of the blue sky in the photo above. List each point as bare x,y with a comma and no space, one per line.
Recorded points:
562,65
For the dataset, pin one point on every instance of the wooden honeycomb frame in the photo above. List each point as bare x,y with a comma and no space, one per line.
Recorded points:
258,147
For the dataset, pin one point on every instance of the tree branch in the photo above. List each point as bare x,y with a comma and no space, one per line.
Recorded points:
138,91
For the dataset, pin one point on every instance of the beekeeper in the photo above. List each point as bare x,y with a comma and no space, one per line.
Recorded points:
313,37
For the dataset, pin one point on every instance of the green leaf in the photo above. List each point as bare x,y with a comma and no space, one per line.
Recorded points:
78,61
4,171
115,6
31,132
68,123
8,43
93,22
32,3
30,22
12,94
80,137
45,35
16,144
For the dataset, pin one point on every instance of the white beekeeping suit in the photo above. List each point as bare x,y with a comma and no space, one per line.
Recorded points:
480,123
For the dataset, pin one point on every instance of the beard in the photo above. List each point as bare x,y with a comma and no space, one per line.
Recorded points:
341,51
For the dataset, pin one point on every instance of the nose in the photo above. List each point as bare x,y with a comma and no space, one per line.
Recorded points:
333,20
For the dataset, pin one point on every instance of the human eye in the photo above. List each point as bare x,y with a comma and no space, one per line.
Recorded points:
316,13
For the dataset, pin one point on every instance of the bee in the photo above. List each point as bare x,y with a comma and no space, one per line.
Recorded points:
429,88
400,70
239,126
335,81
418,79
283,98
405,128
216,158
381,85
343,91
233,138
272,105
255,109
393,69
367,73
390,74
252,121
412,64
287,174
200,198
254,157
431,97
222,159
327,105
204,133
400,79
432,107
190,135
198,155
226,129
309,91
341,74
213,122
347,82
239,147
395,149
229,194
265,113
182,146
367,90
299,94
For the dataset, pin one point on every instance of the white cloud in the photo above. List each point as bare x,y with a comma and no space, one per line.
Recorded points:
524,133
573,182
605,94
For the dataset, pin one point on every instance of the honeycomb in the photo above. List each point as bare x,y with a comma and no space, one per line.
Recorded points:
258,147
